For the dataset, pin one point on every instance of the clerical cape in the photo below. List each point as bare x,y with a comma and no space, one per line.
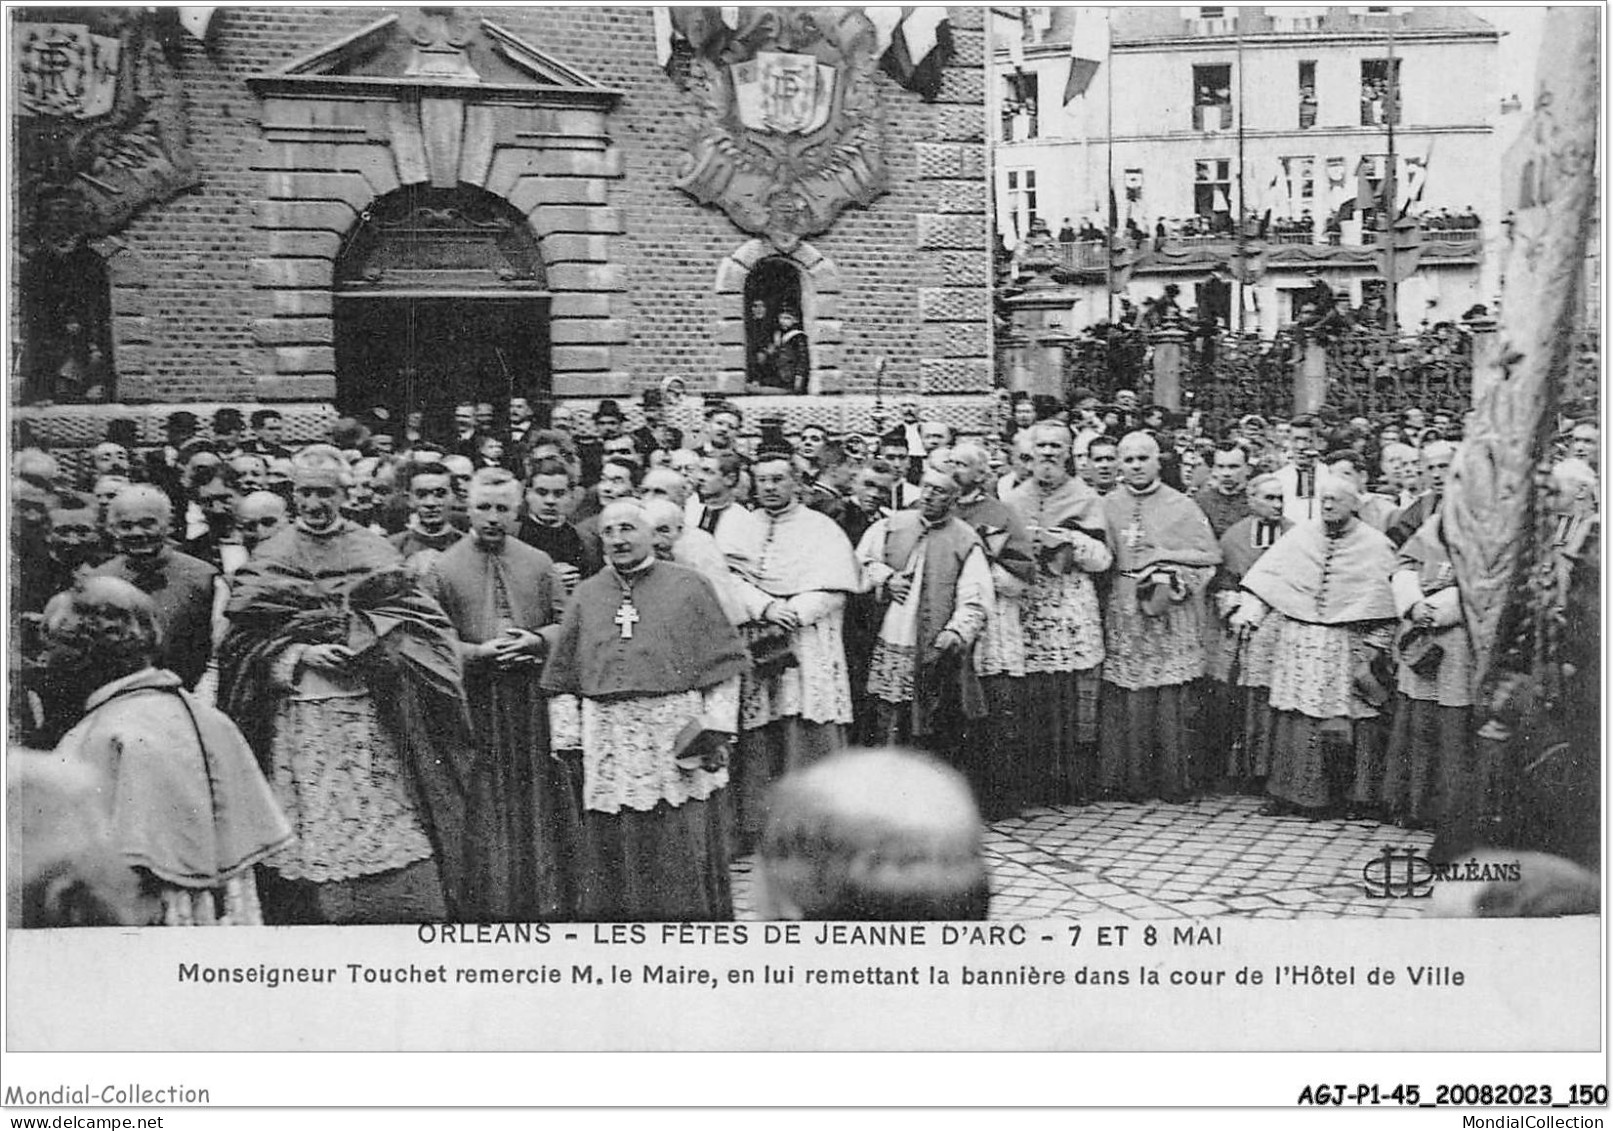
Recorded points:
522,820
346,585
185,798
680,640
1313,577
1156,529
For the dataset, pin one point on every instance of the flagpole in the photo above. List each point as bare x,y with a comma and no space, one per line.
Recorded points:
1393,290
1243,211
1109,170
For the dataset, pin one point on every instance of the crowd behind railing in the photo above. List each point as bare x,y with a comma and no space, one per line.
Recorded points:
1081,248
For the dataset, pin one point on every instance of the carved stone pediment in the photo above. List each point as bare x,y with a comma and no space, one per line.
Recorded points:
443,51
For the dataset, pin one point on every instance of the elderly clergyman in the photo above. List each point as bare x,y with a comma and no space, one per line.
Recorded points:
644,676
1327,581
929,571
1062,629
1165,556
184,590
345,678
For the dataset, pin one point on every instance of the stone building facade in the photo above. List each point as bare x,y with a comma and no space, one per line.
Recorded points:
380,192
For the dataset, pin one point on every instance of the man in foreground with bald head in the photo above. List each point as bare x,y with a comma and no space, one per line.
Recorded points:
1165,557
186,591
873,835
259,517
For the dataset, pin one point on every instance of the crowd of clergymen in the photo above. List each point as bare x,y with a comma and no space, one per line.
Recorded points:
517,672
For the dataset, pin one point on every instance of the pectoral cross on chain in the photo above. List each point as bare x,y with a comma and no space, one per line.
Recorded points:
1133,534
626,617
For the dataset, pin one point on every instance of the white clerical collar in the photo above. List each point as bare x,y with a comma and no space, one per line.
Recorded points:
1143,491
635,570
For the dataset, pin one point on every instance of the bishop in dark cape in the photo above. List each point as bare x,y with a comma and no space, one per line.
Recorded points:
645,674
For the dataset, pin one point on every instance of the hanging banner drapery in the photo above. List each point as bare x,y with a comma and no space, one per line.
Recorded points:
1490,519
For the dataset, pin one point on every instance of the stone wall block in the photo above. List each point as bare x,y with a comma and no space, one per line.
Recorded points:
297,387
953,304
951,232
293,274
408,143
587,331
574,359
374,163
610,383
571,248
442,131
307,215
300,244
304,359
349,188
293,331
580,304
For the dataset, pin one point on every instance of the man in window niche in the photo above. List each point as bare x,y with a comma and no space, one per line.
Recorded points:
762,333
792,367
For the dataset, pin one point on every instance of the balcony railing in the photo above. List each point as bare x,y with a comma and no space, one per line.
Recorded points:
1083,256
1369,236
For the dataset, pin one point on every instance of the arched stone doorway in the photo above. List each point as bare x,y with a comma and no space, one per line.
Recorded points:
432,100
440,298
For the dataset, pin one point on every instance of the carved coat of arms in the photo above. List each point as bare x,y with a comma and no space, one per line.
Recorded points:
790,130
100,126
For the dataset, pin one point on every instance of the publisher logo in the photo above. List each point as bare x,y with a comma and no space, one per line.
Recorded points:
1399,873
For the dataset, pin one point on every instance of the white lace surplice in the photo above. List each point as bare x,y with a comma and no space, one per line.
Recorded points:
818,688
627,746
341,782
1314,672
1060,620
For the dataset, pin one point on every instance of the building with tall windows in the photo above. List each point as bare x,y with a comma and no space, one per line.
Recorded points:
1242,152
332,210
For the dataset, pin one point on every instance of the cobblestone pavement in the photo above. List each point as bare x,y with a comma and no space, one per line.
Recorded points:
1214,856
